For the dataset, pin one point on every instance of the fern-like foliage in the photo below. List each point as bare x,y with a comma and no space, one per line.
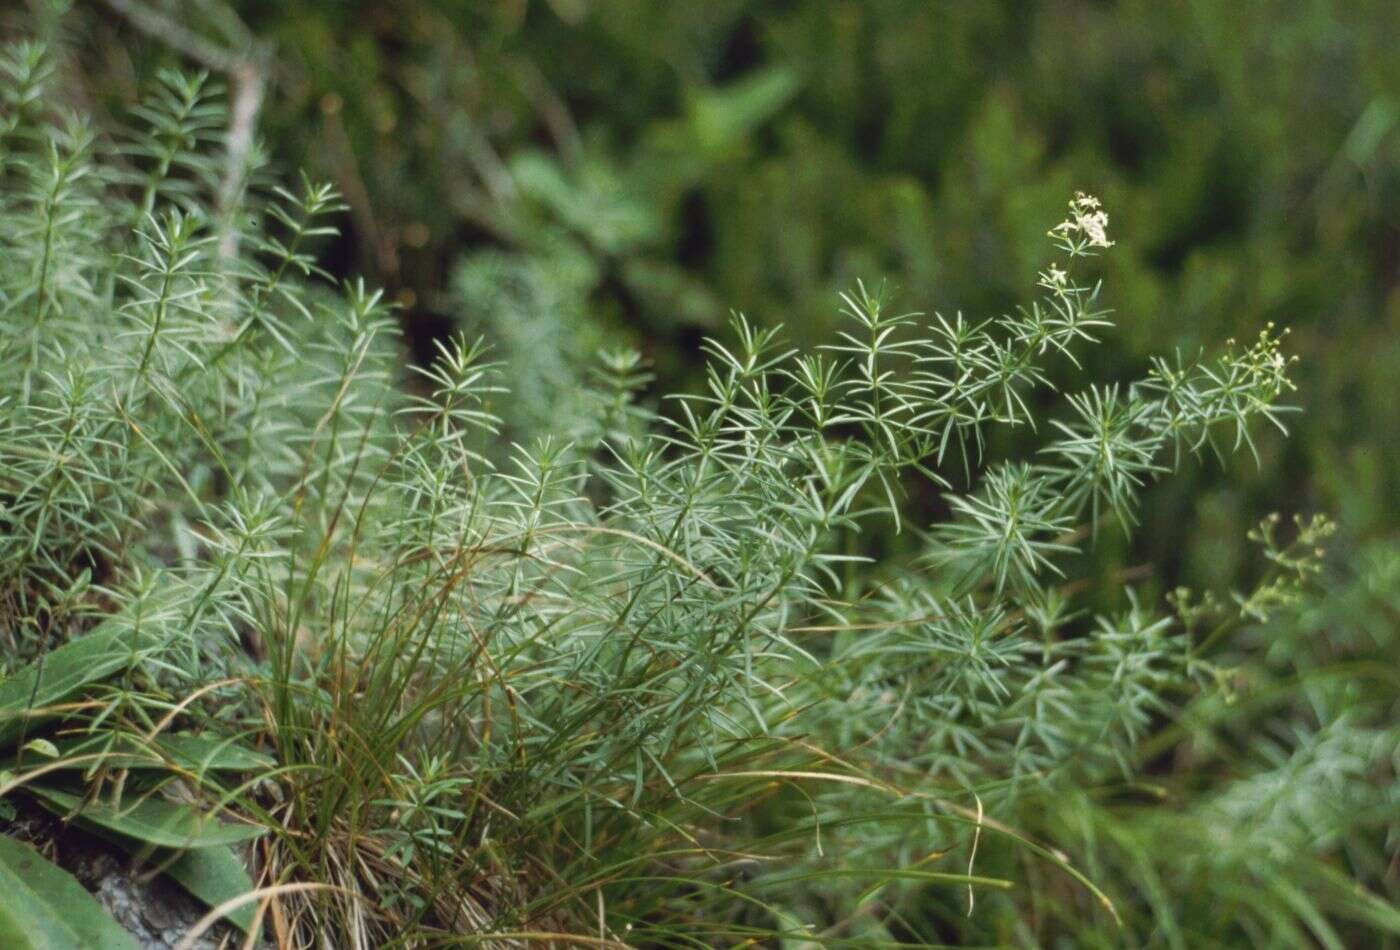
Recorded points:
584,681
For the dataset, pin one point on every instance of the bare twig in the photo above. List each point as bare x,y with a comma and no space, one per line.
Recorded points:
249,83
177,37
247,74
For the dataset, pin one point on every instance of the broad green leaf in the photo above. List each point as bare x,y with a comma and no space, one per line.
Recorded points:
42,747
63,672
214,875
197,754
212,754
152,820
43,907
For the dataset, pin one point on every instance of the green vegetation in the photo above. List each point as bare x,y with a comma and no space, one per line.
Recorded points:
539,639
662,163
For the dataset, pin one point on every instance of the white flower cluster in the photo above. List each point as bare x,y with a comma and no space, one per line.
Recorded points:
1087,225
1054,279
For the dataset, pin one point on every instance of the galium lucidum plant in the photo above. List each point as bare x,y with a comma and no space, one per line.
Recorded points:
635,681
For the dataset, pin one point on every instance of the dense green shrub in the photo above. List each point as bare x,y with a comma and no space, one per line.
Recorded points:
680,158
638,680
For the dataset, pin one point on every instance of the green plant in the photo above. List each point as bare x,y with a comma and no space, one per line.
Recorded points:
66,734
773,154
91,428
1263,812
635,681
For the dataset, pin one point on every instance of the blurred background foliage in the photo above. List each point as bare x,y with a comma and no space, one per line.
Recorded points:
563,174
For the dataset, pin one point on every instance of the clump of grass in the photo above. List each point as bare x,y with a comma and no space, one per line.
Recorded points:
637,687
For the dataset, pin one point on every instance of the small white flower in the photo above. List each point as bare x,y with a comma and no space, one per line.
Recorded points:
1054,279
1095,227
1088,219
